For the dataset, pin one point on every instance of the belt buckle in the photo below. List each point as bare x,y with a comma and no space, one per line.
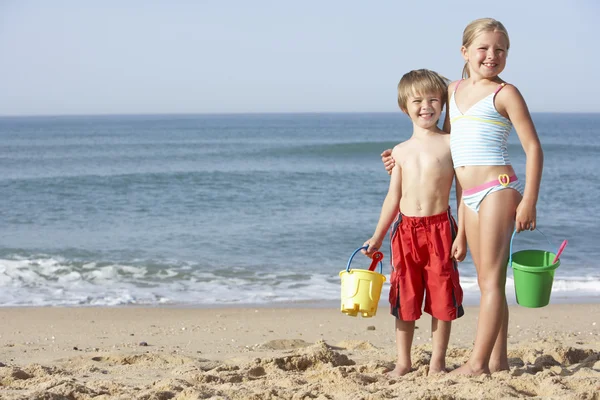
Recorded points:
504,179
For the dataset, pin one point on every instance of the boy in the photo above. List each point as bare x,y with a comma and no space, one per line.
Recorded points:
425,244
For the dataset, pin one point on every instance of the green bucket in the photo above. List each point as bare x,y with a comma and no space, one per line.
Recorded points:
533,273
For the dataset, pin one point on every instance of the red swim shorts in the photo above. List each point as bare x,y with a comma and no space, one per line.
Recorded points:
422,267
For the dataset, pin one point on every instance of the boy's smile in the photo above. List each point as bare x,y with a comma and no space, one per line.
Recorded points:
424,110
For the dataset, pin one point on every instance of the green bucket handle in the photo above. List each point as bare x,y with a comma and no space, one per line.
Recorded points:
511,244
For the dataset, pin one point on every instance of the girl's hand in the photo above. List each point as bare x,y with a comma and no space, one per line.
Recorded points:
373,246
388,161
526,217
459,248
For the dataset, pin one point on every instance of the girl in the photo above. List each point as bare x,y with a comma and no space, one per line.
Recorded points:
482,111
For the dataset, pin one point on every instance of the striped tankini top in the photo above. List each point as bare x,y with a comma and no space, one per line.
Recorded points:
480,135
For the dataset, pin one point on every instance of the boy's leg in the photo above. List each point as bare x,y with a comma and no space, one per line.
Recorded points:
405,331
496,222
444,295
406,292
440,331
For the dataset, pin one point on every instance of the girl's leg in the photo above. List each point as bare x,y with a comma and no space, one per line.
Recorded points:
472,231
499,357
405,331
440,331
496,222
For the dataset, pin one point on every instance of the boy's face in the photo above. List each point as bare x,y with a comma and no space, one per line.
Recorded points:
424,110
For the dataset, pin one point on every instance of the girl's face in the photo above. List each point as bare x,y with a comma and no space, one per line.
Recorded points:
487,54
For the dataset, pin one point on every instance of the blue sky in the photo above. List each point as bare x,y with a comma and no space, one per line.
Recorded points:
122,57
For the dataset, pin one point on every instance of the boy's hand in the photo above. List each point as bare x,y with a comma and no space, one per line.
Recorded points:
459,248
388,161
373,246
526,216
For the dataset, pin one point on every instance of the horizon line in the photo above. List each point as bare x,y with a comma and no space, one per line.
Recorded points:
150,114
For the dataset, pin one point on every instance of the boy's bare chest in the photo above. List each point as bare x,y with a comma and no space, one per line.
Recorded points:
426,158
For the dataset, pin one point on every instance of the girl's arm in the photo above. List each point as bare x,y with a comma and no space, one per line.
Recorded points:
514,105
446,127
389,209
388,160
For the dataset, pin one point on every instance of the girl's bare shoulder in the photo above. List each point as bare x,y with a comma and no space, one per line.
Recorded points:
452,86
508,97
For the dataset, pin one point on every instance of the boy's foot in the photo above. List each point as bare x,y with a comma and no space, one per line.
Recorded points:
499,367
468,371
436,370
398,371
437,367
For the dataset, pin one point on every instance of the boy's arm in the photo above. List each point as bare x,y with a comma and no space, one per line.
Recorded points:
459,247
460,208
389,210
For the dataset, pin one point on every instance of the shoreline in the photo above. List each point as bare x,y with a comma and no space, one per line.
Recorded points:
470,300
142,352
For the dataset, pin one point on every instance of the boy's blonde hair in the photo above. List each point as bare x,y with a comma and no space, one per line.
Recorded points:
479,26
421,81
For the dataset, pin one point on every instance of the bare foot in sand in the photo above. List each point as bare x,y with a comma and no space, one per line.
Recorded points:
437,366
398,371
499,367
437,371
469,371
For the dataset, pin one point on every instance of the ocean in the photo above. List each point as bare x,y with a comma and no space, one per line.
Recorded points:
234,210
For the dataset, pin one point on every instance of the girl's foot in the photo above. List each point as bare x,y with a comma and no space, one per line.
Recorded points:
469,371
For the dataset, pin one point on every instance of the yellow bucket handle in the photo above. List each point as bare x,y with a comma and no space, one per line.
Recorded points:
356,251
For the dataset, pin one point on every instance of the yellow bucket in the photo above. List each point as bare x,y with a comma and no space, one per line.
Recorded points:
361,289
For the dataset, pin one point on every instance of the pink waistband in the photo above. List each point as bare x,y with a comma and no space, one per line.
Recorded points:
502,180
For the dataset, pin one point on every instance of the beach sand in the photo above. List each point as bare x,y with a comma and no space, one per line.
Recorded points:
281,353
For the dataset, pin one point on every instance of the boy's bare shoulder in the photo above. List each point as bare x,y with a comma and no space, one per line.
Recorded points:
446,137
401,148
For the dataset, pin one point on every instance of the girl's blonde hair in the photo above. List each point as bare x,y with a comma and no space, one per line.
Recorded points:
477,27
421,81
